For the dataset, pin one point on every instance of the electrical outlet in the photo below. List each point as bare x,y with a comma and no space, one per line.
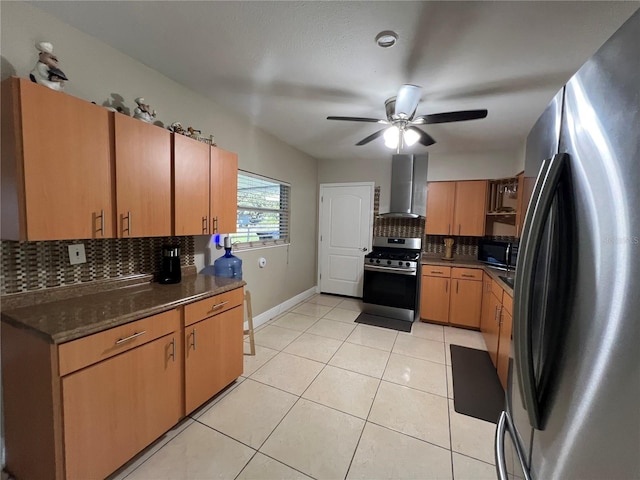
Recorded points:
76,254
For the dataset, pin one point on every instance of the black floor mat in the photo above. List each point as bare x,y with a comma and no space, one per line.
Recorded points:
477,391
384,322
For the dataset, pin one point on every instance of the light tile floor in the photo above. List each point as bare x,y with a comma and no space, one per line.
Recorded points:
328,398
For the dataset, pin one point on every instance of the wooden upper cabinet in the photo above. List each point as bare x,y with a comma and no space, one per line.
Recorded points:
470,208
521,206
143,178
56,165
190,186
224,191
440,207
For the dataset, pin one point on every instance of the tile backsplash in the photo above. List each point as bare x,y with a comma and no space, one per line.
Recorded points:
31,266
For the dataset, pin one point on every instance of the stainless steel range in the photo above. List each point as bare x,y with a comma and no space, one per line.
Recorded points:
392,278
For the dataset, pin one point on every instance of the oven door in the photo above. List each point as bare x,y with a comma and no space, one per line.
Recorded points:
390,287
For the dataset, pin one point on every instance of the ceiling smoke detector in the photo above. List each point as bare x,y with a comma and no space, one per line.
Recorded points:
386,39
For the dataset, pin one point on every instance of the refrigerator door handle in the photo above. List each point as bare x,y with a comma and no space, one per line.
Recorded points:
501,464
504,424
534,229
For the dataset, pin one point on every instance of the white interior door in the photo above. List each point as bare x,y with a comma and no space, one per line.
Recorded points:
346,227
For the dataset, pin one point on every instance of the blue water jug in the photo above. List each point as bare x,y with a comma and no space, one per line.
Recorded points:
228,266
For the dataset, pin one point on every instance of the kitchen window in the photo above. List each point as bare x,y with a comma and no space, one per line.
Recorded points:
263,211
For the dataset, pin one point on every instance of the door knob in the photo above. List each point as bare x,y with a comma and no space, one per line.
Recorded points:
364,249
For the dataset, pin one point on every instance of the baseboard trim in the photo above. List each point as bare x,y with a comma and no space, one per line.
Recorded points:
264,317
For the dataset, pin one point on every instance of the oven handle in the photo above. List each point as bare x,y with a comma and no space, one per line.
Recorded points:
399,271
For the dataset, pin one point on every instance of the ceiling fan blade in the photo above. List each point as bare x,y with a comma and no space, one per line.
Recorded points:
407,100
358,119
448,117
425,139
371,137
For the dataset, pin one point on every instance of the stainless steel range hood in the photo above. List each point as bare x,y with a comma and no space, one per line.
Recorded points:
408,186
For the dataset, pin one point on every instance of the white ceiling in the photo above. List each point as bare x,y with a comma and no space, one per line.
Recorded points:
288,65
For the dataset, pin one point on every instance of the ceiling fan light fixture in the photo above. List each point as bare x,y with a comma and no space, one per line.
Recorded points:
386,39
410,137
391,137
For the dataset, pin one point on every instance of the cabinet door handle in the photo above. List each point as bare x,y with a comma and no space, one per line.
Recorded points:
495,315
130,337
459,228
128,218
101,229
215,225
172,355
205,223
449,229
193,341
457,285
446,287
218,306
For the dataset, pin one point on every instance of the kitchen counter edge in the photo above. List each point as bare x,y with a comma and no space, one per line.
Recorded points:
472,263
64,320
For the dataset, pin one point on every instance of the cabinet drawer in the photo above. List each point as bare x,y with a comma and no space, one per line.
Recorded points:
88,350
497,290
196,311
466,273
507,303
435,271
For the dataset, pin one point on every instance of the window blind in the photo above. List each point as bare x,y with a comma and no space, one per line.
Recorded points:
263,211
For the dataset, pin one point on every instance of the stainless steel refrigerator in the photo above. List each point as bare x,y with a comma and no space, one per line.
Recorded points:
573,396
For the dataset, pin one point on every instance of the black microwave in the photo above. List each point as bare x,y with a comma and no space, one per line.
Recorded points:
497,253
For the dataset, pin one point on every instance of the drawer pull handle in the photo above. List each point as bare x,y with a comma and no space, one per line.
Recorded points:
436,271
218,306
130,337
467,275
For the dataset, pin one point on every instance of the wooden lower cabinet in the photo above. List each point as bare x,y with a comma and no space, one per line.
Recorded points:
504,347
93,403
466,303
434,299
213,356
497,326
117,407
490,325
451,295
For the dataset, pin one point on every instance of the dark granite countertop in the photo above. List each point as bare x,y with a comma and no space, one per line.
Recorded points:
469,262
64,320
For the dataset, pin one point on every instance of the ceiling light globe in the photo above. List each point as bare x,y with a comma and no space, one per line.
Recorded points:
410,137
391,137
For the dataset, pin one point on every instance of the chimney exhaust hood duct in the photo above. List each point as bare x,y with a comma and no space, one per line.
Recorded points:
408,186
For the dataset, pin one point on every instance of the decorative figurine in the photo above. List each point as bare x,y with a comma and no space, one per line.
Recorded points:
193,133
176,127
143,111
46,71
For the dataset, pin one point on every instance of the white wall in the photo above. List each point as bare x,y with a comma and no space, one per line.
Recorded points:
473,166
470,166
96,71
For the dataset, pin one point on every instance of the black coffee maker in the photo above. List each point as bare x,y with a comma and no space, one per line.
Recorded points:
170,271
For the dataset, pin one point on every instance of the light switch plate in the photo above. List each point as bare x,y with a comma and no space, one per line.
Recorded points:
76,254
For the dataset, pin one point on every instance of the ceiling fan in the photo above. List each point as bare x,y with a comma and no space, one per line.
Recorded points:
402,122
